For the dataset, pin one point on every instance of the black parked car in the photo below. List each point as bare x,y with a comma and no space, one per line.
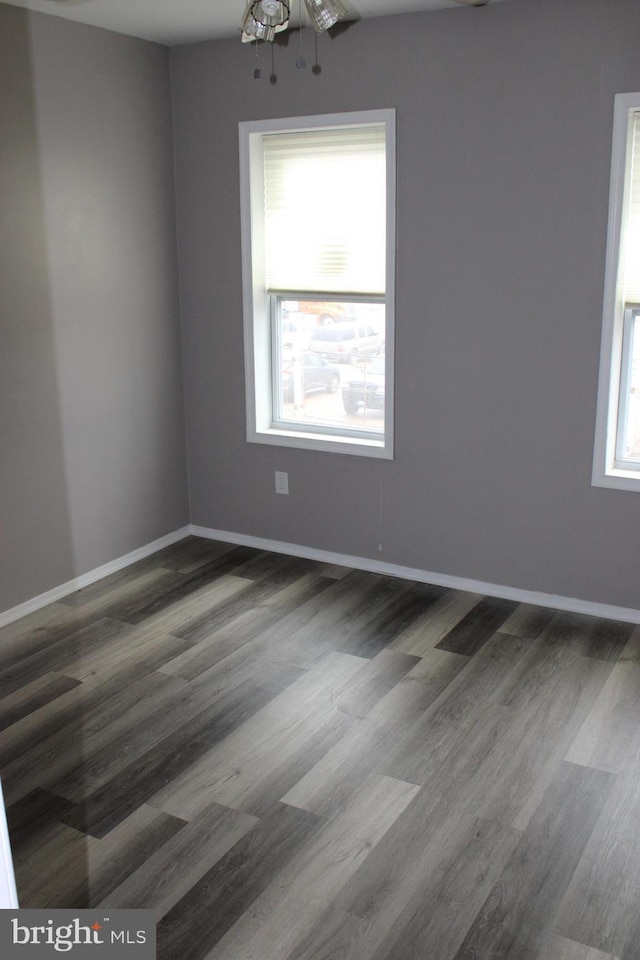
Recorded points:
317,374
365,388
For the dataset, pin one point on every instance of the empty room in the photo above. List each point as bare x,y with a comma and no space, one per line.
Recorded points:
319,456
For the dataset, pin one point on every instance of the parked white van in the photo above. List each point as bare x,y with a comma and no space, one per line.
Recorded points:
345,342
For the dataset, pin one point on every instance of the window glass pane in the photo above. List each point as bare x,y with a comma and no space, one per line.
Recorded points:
630,402
329,365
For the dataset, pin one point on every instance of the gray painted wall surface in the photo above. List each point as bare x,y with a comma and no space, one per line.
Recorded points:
92,456
504,129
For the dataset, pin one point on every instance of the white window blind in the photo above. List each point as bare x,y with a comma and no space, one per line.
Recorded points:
631,228
325,210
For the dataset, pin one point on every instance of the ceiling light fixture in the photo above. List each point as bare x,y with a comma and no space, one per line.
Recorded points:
262,19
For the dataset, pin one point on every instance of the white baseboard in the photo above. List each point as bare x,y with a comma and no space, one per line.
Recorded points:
570,604
57,593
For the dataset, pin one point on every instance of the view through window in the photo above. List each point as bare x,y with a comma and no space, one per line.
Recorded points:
330,370
628,447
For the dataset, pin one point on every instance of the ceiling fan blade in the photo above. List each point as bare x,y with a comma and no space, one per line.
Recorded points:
472,3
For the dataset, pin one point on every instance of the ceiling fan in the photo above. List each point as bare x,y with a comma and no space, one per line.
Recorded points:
263,19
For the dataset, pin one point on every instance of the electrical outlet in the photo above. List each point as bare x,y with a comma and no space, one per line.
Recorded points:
282,482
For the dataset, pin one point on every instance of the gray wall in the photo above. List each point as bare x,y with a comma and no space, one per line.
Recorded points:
504,129
92,456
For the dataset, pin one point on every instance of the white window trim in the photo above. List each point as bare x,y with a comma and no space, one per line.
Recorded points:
255,306
605,471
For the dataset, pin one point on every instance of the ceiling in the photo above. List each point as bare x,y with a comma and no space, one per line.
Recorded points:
185,21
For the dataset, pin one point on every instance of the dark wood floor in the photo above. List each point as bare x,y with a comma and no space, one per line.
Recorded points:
291,761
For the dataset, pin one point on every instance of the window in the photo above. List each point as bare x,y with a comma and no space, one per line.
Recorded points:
617,447
318,257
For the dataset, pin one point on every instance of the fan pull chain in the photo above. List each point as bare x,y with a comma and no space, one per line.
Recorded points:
257,73
300,62
316,69
274,77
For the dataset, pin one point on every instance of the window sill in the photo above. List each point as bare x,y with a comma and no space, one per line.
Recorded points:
618,479
328,443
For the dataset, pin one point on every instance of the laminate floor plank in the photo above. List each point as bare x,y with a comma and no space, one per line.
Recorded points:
141,780
30,697
135,650
600,906
589,636
539,671
82,870
268,743
445,903
368,748
420,687
375,678
338,935
330,621
632,950
30,632
304,749
456,711
558,948
316,874
176,586
170,873
243,664
631,650
178,615
291,760
423,876
68,749
610,736
433,625
419,848
241,623
446,788
522,905
52,870
479,625
81,708
396,606
112,784
32,816
260,592
330,782
333,571
55,622
182,557
528,620
189,554
226,892
279,569
57,656
512,781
